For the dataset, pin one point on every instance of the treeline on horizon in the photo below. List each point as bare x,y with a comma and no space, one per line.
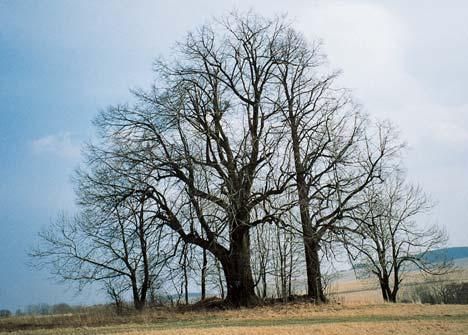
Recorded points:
42,309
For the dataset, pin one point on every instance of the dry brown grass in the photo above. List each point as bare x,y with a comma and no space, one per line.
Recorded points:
360,311
383,328
300,318
366,291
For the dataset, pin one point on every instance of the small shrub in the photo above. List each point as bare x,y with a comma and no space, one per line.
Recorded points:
437,293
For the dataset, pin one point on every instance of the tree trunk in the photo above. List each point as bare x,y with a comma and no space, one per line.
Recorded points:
396,277
393,293
383,288
185,264
203,275
139,302
311,240
144,252
264,285
220,280
314,276
290,272
238,272
387,294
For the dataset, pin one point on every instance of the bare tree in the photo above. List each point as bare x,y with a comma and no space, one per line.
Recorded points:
389,242
277,257
205,142
334,154
120,244
282,263
262,256
115,290
239,131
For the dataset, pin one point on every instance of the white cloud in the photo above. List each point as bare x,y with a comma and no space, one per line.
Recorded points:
62,145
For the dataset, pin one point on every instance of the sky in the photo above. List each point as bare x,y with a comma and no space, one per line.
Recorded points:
62,61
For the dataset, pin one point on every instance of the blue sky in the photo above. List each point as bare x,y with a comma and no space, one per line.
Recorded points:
63,61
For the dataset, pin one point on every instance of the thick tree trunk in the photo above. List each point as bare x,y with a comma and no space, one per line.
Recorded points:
139,302
383,288
392,294
314,276
396,278
311,249
238,272
235,261
387,294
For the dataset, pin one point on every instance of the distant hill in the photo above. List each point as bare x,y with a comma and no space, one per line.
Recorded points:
447,254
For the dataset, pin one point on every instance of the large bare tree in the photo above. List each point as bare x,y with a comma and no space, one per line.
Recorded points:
205,138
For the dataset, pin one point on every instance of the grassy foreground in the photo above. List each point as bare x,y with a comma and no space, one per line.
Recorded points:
281,319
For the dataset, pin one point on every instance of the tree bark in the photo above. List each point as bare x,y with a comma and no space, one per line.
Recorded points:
139,296
185,264
393,293
311,242
264,285
238,272
139,304
203,275
384,289
220,280
314,276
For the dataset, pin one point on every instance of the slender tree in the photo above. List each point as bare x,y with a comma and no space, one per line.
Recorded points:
334,154
390,242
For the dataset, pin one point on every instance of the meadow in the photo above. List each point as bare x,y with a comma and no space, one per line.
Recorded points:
355,307
293,318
